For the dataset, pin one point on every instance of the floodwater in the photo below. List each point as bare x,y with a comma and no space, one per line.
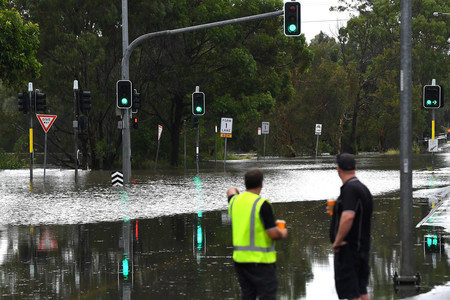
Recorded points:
168,236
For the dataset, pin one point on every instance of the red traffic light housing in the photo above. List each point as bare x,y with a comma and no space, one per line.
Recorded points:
23,102
85,102
40,101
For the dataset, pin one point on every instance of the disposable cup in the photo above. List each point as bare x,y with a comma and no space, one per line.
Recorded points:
281,224
331,204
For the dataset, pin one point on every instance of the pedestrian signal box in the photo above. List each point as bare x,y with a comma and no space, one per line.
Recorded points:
432,96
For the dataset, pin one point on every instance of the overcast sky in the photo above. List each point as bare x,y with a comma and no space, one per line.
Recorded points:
316,16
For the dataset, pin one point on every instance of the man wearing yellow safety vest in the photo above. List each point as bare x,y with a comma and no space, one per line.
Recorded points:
254,232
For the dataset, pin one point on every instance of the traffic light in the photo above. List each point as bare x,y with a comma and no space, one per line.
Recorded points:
24,102
124,94
292,18
198,103
84,98
136,101
40,101
432,96
135,123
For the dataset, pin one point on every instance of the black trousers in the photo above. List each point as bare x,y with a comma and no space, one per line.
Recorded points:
351,272
257,280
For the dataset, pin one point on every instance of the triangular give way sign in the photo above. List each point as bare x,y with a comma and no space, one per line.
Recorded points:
46,121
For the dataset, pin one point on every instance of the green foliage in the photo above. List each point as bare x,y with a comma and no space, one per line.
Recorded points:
8,161
19,44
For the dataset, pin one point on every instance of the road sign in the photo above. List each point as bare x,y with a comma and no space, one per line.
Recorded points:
226,127
265,128
46,121
117,178
318,129
160,128
433,145
259,130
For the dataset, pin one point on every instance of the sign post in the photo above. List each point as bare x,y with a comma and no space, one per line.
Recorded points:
215,146
265,131
160,129
46,122
318,133
226,131
257,147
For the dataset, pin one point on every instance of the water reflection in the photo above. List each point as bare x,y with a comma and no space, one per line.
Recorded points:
170,236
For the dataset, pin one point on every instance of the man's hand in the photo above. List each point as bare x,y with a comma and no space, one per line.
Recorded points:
277,233
345,224
232,191
337,245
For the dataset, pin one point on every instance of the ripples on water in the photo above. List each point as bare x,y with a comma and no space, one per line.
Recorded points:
164,193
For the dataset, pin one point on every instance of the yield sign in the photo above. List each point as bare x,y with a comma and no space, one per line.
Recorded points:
46,121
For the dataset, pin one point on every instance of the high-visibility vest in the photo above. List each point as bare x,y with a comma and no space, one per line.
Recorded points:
251,243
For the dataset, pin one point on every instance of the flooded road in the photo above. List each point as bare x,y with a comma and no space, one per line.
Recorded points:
169,237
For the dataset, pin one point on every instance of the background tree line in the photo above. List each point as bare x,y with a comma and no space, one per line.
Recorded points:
249,71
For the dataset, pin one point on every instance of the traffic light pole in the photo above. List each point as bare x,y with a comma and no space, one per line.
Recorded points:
125,67
405,218
30,93
126,115
433,118
75,127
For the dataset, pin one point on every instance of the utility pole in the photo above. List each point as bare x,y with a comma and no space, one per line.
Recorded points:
405,221
126,140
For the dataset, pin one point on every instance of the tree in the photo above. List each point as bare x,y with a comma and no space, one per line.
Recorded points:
370,46
19,43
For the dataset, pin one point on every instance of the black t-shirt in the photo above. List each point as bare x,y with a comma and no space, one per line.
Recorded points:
265,213
355,197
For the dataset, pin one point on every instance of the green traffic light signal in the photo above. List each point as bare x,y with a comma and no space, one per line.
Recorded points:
292,28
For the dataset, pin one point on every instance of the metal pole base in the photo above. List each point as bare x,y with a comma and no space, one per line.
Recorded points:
407,280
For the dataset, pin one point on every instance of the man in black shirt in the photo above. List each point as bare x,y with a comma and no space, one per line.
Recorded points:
350,232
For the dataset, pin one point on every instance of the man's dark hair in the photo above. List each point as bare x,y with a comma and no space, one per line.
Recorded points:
346,162
253,178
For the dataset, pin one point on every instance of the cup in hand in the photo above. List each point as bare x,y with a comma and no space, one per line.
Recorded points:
330,206
281,224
